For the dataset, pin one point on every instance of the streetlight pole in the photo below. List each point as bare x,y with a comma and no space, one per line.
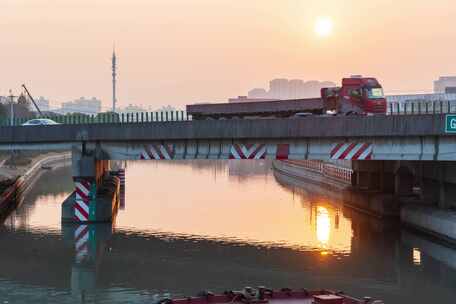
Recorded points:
11,96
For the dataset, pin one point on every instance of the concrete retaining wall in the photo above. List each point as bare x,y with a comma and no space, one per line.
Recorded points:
440,223
375,204
24,183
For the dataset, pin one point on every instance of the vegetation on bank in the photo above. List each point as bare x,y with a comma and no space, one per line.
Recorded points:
20,109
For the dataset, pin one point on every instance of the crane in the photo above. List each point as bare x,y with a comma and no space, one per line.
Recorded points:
33,100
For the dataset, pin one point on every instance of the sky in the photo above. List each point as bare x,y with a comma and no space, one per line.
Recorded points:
184,51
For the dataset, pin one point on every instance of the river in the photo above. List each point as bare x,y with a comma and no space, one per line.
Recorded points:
185,227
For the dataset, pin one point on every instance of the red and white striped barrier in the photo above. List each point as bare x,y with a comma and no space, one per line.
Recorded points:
81,239
352,151
259,151
204,150
82,200
247,151
158,152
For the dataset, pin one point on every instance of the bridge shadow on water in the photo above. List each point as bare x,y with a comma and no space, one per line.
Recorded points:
112,263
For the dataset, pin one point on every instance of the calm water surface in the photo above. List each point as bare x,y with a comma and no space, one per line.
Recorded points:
185,227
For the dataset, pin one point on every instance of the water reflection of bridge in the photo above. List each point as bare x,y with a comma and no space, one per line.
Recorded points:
152,261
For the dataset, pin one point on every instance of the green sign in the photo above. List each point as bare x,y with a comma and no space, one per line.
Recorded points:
450,123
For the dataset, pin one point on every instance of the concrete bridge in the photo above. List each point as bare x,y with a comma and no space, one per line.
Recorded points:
402,137
364,139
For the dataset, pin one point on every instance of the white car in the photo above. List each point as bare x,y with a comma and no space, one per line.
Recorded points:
40,122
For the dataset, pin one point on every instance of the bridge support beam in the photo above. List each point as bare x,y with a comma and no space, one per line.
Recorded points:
96,193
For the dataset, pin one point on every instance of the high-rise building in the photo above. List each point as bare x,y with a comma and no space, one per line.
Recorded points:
282,88
443,82
279,88
296,89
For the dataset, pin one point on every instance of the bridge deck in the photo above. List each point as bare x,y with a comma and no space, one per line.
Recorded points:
308,127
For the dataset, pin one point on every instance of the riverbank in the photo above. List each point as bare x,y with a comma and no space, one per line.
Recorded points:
17,176
17,165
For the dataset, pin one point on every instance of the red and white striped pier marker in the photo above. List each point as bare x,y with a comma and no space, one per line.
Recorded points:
247,151
158,152
82,200
352,151
81,239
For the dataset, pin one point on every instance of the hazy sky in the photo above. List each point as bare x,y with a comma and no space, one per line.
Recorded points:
182,51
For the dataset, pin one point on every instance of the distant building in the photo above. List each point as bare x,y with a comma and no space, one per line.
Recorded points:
283,88
444,82
257,93
4,99
82,105
279,89
248,99
296,88
42,103
131,108
167,108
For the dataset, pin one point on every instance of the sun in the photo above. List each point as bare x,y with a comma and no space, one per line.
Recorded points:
323,26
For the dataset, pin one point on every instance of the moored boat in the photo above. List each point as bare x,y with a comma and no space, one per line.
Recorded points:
263,295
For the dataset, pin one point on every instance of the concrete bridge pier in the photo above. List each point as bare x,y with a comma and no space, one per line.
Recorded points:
436,180
373,175
95,197
404,181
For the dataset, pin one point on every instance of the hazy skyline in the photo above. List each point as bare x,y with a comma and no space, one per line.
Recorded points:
178,52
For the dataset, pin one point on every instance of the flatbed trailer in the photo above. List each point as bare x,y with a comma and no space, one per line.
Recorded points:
276,108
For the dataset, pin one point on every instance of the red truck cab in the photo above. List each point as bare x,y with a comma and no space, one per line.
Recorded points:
358,95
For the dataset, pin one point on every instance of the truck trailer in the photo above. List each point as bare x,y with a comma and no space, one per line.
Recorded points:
357,95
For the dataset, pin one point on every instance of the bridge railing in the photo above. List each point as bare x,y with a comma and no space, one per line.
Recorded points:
421,107
106,117
393,108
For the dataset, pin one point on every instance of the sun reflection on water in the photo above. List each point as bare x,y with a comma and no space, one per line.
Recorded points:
323,226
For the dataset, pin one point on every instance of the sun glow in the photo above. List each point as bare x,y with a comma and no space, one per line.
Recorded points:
323,26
